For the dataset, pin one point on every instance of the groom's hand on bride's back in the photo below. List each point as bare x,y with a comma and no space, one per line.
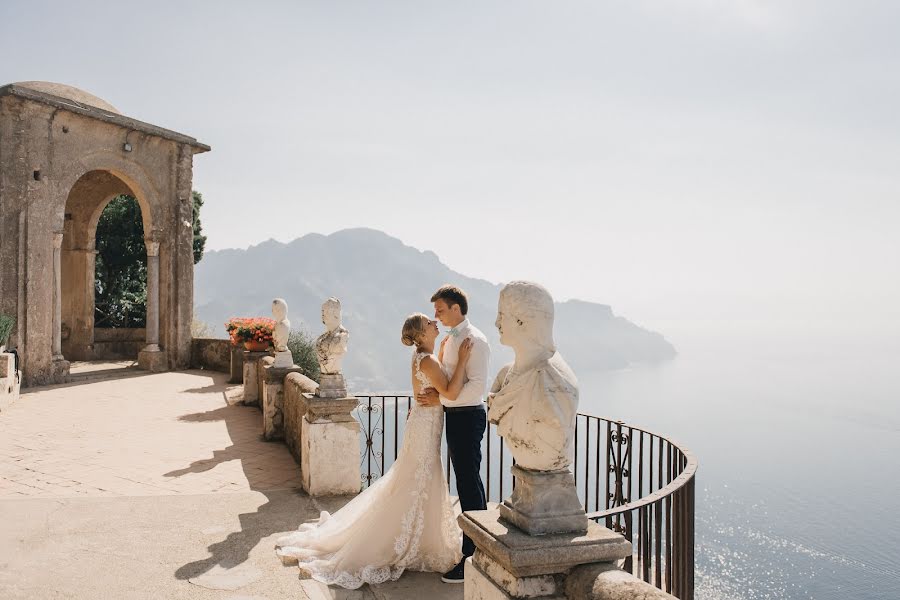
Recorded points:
428,397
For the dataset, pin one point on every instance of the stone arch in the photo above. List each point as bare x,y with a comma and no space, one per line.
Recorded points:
85,201
131,173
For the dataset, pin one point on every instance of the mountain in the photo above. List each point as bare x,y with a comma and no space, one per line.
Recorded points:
380,281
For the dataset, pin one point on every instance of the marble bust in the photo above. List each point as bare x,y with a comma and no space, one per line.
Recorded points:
282,325
280,334
535,399
331,346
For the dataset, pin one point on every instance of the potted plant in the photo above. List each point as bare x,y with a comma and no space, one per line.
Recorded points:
254,333
6,326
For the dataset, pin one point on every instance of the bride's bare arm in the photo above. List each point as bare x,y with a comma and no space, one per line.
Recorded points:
432,368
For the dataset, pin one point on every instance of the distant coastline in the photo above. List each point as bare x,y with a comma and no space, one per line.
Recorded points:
380,280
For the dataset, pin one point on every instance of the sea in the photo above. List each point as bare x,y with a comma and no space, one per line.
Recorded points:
798,439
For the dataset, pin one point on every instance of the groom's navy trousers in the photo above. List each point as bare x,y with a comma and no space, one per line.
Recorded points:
465,430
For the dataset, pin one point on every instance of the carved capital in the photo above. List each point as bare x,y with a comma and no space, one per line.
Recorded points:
57,239
152,247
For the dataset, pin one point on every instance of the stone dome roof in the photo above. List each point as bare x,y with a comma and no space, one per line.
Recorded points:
70,93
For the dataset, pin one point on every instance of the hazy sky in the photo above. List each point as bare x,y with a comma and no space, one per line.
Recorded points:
723,159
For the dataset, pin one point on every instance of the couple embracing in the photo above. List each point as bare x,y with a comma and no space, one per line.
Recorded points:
405,520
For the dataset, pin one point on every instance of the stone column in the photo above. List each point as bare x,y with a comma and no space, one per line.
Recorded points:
329,453
152,357
152,296
57,296
59,366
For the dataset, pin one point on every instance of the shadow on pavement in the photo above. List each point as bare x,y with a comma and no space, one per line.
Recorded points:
284,509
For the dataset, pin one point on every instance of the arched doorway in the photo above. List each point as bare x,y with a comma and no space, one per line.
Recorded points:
96,324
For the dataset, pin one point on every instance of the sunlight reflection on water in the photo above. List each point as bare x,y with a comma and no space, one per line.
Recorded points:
798,479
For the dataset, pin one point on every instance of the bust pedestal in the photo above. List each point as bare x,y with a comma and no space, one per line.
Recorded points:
544,502
283,360
329,446
509,563
332,385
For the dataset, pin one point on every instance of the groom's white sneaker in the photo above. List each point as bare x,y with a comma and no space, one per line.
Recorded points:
456,574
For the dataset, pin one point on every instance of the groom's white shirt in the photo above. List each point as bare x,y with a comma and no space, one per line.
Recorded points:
472,393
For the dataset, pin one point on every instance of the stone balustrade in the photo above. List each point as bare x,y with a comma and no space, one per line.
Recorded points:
294,409
272,383
321,433
604,581
9,380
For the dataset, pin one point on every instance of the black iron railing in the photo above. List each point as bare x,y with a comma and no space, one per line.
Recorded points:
633,481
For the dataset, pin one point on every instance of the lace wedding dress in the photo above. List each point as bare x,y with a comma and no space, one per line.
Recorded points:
403,521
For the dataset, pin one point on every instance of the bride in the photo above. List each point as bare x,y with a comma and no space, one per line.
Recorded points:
404,520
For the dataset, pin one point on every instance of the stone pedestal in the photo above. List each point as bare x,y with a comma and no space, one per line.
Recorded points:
273,399
544,502
329,455
154,361
332,385
284,360
59,370
509,563
9,382
251,376
237,365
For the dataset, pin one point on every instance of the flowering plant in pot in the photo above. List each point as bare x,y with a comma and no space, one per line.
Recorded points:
255,333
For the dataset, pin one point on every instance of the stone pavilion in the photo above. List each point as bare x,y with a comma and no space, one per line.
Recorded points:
64,154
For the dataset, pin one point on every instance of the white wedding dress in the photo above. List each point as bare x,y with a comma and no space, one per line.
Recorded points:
403,521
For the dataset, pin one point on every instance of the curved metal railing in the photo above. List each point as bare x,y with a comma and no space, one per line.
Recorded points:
630,480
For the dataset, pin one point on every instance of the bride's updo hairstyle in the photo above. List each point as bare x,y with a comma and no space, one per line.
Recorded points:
413,329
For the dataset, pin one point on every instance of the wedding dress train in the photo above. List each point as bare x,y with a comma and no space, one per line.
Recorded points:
403,521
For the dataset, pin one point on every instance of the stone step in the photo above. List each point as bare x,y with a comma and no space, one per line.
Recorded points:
102,374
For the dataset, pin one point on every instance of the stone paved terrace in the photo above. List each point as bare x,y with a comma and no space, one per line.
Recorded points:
154,486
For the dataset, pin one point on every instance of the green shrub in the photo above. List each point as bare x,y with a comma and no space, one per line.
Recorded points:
6,326
303,350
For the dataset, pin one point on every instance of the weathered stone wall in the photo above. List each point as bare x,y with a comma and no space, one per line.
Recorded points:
212,354
295,385
122,343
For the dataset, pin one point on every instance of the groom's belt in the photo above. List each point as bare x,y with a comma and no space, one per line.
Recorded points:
449,409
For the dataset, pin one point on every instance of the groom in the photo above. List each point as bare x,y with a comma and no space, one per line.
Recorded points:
465,417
